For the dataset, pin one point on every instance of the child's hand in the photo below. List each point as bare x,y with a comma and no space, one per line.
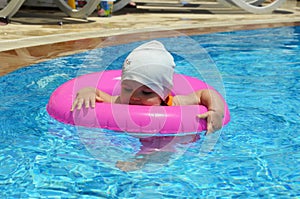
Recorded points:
214,120
87,97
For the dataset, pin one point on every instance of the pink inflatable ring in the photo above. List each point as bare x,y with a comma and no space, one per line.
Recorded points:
129,118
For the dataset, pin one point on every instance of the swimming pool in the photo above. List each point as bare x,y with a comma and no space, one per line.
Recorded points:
255,156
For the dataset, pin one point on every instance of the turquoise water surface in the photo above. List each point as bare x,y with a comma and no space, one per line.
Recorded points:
257,155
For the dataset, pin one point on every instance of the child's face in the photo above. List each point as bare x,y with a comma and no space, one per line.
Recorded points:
135,93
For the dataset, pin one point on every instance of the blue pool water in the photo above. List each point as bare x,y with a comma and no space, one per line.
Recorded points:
257,155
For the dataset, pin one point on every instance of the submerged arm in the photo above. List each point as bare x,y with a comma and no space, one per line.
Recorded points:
140,160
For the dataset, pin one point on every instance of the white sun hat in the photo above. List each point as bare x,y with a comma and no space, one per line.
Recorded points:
151,65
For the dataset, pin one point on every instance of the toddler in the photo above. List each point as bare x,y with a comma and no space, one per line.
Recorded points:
147,79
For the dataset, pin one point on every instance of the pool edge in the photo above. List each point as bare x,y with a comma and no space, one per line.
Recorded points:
32,52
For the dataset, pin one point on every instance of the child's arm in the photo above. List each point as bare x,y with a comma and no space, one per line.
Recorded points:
209,98
89,96
215,106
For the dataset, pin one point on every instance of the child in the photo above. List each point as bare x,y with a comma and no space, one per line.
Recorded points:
147,79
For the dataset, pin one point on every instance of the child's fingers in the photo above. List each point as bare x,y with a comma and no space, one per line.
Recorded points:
93,102
87,103
95,99
99,99
74,105
203,115
210,128
209,123
79,103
